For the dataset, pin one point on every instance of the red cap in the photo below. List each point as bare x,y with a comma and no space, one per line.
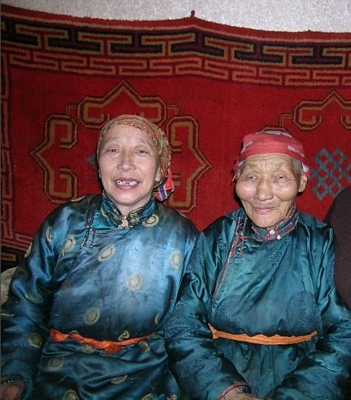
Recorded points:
271,141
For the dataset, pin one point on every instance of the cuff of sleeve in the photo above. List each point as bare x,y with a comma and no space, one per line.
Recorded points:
244,387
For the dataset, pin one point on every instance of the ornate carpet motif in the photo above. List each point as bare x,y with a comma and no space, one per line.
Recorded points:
205,84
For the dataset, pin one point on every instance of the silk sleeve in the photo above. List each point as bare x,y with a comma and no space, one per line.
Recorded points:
26,313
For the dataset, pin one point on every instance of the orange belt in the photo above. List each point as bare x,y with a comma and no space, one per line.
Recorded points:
106,345
262,339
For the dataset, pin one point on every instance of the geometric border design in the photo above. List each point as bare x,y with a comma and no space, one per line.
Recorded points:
112,49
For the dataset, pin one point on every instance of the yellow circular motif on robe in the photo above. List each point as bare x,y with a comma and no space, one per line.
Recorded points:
65,286
123,336
157,319
119,379
151,221
176,259
88,349
68,245
134,282
144,346
106,253
55,363
49,235
148,397
92,316
70,395
35,340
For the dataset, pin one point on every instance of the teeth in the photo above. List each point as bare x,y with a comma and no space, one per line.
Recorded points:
126,183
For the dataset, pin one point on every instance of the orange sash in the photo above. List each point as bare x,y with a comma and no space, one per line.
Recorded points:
262,339
108,346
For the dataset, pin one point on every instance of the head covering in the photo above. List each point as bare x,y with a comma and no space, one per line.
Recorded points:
271,141
165,187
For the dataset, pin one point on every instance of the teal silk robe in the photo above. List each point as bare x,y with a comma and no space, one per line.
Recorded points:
247,280
86,274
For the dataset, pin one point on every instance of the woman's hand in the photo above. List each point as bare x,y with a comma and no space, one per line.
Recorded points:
11,391
237,394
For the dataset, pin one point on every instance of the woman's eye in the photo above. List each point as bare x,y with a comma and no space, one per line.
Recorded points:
142,151
111,150
250,177
281,178
247,177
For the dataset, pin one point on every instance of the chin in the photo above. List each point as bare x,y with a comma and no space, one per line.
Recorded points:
264,224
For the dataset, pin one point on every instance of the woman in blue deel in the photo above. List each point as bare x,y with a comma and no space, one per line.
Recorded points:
258,315
87,308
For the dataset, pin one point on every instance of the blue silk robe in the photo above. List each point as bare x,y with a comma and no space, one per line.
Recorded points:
86,274
247,280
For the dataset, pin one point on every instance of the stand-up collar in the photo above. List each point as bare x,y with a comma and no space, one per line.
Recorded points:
282,229
109,210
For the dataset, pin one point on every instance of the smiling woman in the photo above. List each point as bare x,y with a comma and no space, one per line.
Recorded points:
86,309
128,166
258,315
267,187
269,175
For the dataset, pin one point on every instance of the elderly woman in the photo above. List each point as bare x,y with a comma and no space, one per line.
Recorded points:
87,308
258,311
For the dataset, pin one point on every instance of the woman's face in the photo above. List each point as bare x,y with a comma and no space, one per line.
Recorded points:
129,166
267,186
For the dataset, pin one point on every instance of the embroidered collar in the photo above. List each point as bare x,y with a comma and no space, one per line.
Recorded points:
282,229
109,210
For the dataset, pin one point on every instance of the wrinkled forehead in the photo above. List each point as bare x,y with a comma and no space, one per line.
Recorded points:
271,158
271,162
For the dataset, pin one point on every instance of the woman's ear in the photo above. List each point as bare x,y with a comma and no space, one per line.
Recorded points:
99,173
303,182
158,176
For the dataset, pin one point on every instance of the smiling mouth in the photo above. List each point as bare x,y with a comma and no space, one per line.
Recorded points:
126,182
265,210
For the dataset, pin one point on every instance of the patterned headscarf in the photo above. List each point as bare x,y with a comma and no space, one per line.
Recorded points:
165,187
271,141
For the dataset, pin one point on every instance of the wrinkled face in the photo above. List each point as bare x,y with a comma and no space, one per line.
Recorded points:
129,166
267,186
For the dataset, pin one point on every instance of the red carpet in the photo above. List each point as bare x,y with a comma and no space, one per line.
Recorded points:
205,84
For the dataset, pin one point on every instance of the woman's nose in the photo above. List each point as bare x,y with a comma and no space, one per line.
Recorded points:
126,160
264,190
